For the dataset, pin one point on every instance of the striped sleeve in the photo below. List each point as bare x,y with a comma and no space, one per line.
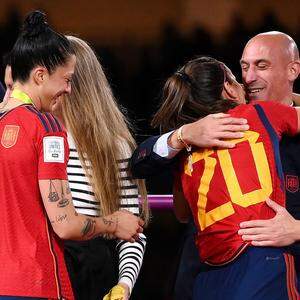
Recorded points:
130,260
82,192
130,254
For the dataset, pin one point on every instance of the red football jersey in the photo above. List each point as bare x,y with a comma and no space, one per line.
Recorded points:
33,147
229,186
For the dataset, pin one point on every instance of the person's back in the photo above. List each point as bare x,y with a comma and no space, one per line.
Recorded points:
231,185
30,252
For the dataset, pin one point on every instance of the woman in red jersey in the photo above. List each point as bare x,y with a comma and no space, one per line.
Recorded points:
36,203
226,187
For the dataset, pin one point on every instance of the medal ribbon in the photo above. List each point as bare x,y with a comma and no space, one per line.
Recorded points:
19,95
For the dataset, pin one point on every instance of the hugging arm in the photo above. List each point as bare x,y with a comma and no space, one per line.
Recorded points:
157,153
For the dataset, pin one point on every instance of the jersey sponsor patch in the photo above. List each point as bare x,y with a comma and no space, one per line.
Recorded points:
54,150
10,135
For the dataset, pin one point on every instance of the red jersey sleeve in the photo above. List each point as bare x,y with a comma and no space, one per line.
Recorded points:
53,156
283,118
50,142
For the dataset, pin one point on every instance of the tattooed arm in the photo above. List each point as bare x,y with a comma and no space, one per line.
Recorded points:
68,224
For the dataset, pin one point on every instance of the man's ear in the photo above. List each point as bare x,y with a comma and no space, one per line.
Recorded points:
229,92
294,70
39,75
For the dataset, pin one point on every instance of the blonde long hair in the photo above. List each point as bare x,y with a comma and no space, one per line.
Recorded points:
99,129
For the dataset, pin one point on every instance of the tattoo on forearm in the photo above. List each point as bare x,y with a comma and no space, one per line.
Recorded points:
61,218
68,190
64,201
89,227
53,194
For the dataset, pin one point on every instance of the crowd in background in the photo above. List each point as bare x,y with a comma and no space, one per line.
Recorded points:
136,74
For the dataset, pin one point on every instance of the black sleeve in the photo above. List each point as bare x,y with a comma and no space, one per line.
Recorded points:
2,92
145,163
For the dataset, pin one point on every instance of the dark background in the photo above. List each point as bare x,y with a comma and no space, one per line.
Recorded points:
140,43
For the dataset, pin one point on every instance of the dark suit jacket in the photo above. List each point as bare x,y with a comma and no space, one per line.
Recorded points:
2,92
145,163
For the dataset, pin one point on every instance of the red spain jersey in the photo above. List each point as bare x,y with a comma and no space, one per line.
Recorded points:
33,147
227,187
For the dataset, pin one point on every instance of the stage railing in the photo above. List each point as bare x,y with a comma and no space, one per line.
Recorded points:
160,202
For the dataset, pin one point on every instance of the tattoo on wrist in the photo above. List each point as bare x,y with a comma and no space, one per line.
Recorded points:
53,194
107,221
110,222
89,227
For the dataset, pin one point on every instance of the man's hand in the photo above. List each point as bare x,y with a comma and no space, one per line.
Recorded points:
211,131
118,292
282,230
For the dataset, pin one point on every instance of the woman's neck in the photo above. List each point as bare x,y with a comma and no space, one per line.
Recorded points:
30,91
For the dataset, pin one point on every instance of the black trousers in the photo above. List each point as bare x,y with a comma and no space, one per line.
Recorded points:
92,267
189,266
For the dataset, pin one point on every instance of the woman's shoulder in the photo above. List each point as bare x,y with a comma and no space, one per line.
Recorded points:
32,119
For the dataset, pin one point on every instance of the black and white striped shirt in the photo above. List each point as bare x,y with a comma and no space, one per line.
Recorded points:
130,254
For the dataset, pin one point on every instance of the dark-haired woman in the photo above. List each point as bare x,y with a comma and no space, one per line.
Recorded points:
36,203
225,187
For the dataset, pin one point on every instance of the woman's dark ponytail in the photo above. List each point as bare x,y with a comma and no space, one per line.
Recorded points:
34,25
176,93
38,45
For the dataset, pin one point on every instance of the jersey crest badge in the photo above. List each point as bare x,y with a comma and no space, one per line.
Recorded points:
10,136
292,183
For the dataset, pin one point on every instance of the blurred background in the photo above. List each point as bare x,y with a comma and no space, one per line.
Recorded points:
140,43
